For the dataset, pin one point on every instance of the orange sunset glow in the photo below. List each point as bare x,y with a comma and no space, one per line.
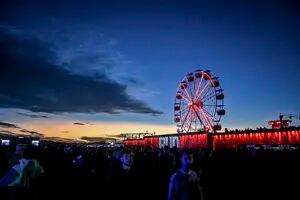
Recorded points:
97,129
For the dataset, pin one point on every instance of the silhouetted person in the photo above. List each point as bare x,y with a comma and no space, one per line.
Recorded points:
124,182
184,184
20,179
166,169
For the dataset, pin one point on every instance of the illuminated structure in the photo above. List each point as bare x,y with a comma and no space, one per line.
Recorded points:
199,103
231,140
277,124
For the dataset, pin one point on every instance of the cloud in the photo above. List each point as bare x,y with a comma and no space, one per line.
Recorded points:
33,133
33,115
134,81
64,131
30,79
8,125
97,139
122,135
7,133
78,123
90,56
60,139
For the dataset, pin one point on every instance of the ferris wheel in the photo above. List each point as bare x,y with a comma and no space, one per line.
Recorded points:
199,103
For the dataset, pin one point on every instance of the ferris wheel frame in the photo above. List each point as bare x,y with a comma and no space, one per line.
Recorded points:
199,103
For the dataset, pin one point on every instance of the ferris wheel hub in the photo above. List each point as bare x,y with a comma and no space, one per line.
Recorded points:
196,104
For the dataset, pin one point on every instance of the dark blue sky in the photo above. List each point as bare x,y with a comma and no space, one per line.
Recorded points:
148,46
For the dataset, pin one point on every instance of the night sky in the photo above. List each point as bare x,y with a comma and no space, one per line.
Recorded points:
95,68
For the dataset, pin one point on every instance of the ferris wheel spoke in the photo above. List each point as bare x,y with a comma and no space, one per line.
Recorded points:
208,113
184,109
185,118
208,97
207,120
198,87
190,89
191,126
184,112
208,92
192,116
211,110
209,102
187,124
184,102
194,87
186,91
199,118
196,126
202,90
191,121
186,95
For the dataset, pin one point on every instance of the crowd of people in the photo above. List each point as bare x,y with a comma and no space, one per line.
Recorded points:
249,130
81,172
